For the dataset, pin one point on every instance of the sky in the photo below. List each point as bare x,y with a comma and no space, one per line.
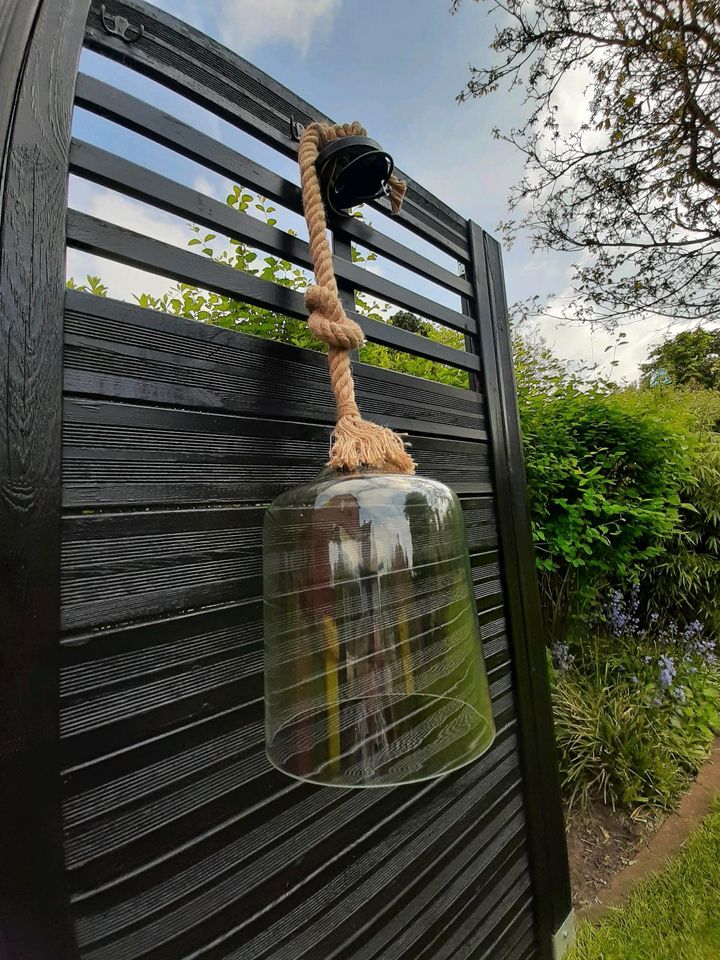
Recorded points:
395,66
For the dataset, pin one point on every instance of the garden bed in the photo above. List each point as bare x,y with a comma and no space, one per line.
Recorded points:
601,843
610,852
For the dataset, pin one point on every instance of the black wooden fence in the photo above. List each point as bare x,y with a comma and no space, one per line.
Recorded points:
139,816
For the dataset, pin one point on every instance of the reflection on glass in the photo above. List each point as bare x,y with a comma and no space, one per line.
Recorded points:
373,664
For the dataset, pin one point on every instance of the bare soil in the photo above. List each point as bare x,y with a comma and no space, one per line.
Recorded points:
601,843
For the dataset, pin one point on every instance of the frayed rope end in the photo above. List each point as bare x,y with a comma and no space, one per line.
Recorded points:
396,194
361,443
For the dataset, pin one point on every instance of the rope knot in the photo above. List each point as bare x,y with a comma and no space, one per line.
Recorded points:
328,320
356,442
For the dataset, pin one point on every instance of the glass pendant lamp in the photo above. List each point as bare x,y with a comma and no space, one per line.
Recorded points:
374,673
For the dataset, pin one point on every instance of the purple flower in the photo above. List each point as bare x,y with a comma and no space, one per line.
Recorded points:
697,644
679,694
667,671
622,615
561,657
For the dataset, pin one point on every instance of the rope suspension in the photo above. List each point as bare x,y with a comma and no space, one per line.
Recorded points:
355,442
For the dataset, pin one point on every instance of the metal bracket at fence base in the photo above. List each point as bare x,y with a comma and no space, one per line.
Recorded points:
564,937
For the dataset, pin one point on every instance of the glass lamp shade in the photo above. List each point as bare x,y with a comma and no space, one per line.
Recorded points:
374,674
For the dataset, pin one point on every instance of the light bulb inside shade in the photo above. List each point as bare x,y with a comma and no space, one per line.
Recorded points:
374,674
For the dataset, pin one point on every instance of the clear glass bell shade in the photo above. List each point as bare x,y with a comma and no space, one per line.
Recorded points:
374,674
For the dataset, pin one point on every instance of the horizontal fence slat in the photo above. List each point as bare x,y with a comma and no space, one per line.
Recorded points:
118,454
220,81
104,239
245,866
143,118
125,566
120,174
403,927
122,351
411,862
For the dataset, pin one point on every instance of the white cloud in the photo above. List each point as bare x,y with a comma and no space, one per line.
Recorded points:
586,344
247,24
571,99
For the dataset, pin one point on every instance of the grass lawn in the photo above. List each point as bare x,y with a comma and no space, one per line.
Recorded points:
673,915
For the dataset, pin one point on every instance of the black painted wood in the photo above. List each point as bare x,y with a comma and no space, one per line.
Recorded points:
35,133
134,114
119,455
548,853
16,25
137,250
128,566
117,349
399,825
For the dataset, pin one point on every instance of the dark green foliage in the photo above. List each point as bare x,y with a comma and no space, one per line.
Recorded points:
683,582
604,486
625,489
410,322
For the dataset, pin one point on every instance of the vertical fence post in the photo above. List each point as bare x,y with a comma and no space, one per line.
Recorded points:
543,805
41,46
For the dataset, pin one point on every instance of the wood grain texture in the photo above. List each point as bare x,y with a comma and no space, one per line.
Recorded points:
119,455
33,911
16,25
119,350
249,861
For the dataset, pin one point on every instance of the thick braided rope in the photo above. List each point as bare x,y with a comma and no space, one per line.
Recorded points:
355,442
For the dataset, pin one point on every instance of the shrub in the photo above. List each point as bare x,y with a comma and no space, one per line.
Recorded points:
604,486
683,581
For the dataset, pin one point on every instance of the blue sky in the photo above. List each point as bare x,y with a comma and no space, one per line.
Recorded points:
395,66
